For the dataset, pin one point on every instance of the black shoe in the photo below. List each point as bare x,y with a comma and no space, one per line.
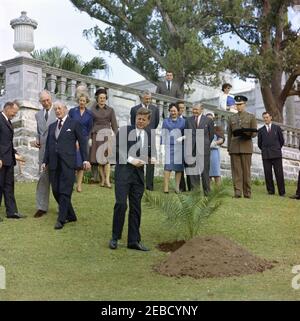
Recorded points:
271,193
113,244
58,225
295,197
39,213
247,196
236,196
137,246
74,219
16,216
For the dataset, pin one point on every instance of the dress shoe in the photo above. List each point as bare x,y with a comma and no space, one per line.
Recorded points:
247,196
295,197
69,220
137,246
236,196
113,244
58,225
39,213
16,216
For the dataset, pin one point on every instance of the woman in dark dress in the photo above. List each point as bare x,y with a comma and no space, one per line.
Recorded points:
85,118
105,123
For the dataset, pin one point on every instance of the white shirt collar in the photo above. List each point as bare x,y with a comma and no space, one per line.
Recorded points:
4,116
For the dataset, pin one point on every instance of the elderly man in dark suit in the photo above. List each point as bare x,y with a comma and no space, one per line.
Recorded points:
270,140
201,153
8,159
133,150
60,157
154,121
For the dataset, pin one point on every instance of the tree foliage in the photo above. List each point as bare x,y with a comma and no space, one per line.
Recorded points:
185,36
60,58
151,35
272,46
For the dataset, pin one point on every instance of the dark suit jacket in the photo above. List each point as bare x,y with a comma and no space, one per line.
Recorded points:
270,143
154,115
7,151
64,147
126,148
174,92
208,126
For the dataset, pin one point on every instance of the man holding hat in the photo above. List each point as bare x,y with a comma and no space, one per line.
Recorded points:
242,128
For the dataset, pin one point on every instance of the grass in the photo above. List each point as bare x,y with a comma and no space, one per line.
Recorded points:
76,264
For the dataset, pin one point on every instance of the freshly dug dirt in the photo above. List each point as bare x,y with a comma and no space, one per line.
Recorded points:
170,246
215,256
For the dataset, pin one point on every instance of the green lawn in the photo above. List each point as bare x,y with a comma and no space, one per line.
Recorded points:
76,264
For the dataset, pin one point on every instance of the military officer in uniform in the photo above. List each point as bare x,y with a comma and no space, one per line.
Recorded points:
242,128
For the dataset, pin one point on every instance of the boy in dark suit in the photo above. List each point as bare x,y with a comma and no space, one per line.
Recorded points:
270,140
133,151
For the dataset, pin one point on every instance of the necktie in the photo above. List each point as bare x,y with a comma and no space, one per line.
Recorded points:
139,144
46,114
60,124
196,121
169,85
269,129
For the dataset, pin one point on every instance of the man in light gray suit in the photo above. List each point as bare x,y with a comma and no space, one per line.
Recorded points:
44,118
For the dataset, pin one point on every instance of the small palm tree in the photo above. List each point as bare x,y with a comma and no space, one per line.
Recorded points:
186,211
59,57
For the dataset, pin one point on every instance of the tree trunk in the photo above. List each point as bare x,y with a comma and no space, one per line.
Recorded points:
272,104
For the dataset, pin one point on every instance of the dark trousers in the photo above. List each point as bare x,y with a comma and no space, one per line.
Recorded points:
62,180
149,176
194,180
298,185
275,163
182,186
7,189
133,189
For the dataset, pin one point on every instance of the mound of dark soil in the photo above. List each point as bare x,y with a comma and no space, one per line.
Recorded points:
207,257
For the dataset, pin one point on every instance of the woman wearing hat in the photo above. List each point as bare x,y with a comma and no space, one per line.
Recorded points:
105,123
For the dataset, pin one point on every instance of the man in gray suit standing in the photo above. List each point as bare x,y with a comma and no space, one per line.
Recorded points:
44,118
169,87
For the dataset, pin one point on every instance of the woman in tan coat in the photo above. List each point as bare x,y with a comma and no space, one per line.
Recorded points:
104,123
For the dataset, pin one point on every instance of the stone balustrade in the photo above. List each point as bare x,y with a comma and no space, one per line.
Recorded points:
23,78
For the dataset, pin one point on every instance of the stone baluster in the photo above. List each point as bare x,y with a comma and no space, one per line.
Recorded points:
91,90
51,83
44,75
61,87
71,89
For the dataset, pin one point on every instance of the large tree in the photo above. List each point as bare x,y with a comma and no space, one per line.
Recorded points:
154,35
273,48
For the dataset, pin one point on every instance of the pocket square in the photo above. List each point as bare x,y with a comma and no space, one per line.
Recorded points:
68,130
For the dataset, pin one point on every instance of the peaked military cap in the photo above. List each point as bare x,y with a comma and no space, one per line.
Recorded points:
240,99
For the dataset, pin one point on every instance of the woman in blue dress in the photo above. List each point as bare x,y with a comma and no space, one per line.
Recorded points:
85,118
215,155
172,129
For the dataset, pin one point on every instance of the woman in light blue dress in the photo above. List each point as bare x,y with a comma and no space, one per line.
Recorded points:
172,129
